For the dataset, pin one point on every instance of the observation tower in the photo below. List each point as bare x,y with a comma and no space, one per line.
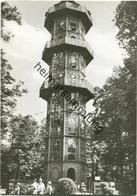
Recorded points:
67,55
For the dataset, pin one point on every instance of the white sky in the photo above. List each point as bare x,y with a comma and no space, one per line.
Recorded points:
25,49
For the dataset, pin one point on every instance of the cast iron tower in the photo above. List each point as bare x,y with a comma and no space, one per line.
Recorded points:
67,55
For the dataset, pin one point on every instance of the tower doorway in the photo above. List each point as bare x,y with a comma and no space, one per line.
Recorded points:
71,173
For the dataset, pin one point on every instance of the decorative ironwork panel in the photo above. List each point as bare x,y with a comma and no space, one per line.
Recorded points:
55,149
82,126
71,147
71,125
82,151
56,114
82,30
73,27
58,60
60,28
73,60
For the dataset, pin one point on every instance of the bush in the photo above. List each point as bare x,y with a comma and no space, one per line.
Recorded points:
65,187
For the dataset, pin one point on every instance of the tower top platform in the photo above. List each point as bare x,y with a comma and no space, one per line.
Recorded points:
68,7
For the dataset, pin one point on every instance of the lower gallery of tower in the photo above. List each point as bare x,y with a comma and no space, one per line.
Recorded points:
66,143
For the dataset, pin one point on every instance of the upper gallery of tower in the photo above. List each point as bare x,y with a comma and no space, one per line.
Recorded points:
64,8
68,22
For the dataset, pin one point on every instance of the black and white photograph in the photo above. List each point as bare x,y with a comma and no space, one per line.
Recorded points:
68,97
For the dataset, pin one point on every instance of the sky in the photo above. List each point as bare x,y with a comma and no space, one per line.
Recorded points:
24,50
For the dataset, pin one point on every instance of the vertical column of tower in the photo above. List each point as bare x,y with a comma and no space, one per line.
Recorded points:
67,54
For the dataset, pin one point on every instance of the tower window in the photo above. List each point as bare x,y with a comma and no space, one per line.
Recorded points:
61,26
73,26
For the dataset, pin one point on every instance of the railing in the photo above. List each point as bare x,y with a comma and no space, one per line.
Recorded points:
79,83
81,43
80,8
60,5
71,6
71,41
55,42
71,82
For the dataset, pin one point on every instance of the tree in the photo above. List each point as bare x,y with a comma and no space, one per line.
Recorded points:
10,89
115,106
112,108
126,21
25,156
25,145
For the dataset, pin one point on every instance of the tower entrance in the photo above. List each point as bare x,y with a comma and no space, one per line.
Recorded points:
71,173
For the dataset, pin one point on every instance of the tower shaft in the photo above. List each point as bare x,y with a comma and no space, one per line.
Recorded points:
67,55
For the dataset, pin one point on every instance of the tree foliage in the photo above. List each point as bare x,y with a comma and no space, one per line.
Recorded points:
10,88
115,105
125,20
10,91
10,14
23,144
25,157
